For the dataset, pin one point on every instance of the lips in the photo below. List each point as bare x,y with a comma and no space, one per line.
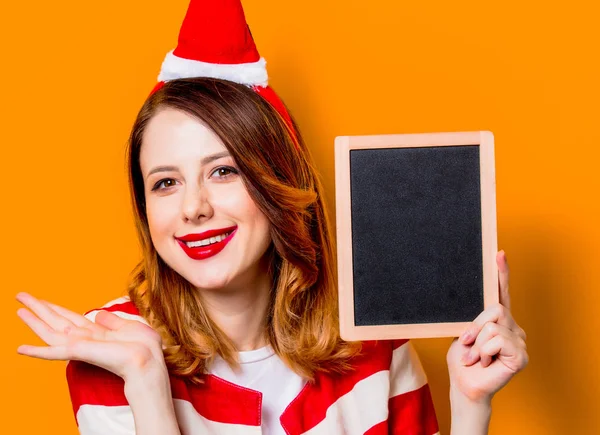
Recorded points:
205,234
206,251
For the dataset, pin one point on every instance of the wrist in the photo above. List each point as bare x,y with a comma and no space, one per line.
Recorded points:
144,362
463,401
469,416
151,378
149,396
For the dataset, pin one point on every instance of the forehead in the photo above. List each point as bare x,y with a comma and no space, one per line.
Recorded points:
174,137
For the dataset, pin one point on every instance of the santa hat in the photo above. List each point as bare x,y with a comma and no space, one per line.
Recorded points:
215,41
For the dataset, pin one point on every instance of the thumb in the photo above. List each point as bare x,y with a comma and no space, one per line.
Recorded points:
503,279
109,320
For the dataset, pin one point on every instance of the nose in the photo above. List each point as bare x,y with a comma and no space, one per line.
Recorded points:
196,204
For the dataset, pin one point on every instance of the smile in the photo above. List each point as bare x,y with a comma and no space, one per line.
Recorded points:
206,244
208,241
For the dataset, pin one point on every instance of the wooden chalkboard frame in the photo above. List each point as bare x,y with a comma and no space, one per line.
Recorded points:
343,145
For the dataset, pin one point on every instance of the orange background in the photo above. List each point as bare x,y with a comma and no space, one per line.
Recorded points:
75,73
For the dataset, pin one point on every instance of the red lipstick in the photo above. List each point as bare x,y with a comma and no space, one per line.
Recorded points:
206,251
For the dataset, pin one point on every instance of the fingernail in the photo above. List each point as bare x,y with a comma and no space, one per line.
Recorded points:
466,335
469,334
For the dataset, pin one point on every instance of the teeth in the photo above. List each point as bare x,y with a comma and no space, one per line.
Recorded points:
207,242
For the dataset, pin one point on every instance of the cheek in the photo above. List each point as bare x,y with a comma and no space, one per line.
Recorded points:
262,223
259,222
160,218
241,206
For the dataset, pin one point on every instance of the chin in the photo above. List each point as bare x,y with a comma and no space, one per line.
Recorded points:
199,277
213,281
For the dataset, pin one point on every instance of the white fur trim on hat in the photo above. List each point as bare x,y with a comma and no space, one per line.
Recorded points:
252,74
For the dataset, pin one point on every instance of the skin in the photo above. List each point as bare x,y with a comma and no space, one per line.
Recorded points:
483,359
205,193
195,196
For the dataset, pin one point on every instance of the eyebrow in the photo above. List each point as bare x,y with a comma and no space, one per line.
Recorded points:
205,161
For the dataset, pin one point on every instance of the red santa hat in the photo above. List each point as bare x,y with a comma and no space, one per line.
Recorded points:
215,41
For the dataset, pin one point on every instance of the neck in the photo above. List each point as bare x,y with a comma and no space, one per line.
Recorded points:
241,312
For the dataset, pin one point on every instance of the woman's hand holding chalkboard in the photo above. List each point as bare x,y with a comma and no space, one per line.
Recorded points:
490,352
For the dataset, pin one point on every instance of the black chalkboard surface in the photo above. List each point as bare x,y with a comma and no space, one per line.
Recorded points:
416,229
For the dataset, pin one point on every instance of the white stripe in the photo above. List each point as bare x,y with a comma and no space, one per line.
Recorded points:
191,423
92,316
118,420
358,410
367,403
406,371
122,300
102,420
252,74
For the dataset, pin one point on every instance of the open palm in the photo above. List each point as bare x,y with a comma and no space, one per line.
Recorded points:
118,345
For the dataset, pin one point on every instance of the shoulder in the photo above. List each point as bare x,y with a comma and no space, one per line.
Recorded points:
381,363
384,391
122,307
395,365
383,353
409,400
398,358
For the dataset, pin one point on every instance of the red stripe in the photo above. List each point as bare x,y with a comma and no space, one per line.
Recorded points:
310,407
216,399
412,413
378,429
92,385
125,307
221,401
397,343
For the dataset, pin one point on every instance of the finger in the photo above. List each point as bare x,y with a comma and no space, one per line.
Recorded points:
76,319
44,352
509,352
496,313
503,278
488,332
106,355
503,285
69,350
93,352
110,320
41,329
45,313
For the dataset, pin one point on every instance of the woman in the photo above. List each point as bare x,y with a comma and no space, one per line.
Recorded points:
230,324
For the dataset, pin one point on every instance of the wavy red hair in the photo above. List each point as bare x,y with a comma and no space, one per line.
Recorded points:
277,169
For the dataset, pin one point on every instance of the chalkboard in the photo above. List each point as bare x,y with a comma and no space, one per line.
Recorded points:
416,233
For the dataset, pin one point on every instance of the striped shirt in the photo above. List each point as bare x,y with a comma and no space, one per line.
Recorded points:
386,393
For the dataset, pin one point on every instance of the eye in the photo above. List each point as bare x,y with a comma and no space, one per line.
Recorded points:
224,172
166,182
